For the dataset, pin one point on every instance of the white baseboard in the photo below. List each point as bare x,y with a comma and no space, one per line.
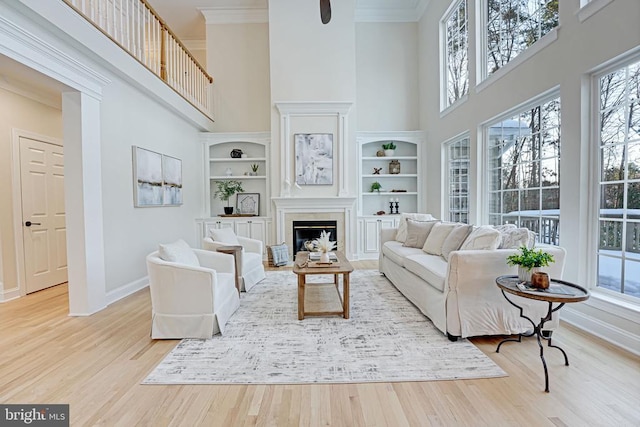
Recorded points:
126,290
600,329
9,294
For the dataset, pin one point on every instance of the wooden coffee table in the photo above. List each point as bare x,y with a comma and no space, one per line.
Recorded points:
303,267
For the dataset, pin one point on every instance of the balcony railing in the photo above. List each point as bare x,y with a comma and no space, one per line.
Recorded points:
138,29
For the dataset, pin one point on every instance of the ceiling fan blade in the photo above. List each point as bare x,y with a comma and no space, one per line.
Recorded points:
325,11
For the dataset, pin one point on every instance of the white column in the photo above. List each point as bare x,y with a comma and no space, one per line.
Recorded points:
83,199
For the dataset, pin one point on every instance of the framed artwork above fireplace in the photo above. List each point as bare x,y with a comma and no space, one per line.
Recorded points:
314,158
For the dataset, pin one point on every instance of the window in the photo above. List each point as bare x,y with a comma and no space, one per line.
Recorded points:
457,154
456,62
619,180
514,25
524,170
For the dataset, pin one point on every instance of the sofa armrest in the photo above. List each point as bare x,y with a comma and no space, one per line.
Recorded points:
469,270
251,245
221,262
387,234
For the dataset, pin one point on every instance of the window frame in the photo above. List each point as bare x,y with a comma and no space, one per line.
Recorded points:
483,77
445,106
550,95
446,194
606,296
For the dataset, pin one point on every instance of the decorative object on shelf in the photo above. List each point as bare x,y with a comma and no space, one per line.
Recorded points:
375,186
540,280
254,169
394,167
398,191
380,213
324,246
529,261
158,179
380,153
389,149
225,190
394,206
248,203
236,153
376,171
228,172
314,158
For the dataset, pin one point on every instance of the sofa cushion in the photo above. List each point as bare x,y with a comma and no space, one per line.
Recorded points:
513,238
439,232
417,232
455,239
397,253
431,268
401,234
224,235
179,252
482,238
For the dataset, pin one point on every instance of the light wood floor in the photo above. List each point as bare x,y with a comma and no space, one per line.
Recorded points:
96,364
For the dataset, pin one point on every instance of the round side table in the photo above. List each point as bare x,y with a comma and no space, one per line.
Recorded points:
559,292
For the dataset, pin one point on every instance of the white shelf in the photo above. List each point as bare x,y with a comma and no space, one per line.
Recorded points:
246,159
391,193
391,175
237,177
391,158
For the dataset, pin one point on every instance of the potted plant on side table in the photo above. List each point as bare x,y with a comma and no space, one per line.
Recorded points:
225,190
529,261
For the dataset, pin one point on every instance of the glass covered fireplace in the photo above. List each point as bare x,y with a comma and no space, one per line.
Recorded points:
307,231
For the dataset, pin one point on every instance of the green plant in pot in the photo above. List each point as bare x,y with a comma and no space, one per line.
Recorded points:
375,186
389,148
225,190
529,261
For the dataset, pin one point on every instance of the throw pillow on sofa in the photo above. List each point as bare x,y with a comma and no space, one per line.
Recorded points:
417,232
483,238
513,238
224,235
179,252
455,239
401,234
435,239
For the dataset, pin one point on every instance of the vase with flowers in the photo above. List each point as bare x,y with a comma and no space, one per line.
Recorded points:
324,245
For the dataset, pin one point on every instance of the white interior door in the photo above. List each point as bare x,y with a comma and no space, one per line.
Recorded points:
43,214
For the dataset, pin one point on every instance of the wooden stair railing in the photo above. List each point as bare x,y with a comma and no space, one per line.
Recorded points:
139,30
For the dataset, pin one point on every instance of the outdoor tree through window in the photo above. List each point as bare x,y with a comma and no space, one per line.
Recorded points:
619,188
514,25
524,170
456,54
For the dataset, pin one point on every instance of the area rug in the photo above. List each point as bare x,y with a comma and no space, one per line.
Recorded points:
386,339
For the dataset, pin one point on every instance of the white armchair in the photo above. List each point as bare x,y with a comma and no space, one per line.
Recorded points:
250,266
191,301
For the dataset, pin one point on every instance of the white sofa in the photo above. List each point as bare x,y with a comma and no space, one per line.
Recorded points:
460,295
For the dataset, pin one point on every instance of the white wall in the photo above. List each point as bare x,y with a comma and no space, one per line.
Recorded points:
387,76
129,118
17,111
564,64
238,60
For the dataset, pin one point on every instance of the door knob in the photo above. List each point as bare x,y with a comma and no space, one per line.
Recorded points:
29,223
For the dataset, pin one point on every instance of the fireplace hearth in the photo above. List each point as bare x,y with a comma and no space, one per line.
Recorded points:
306,231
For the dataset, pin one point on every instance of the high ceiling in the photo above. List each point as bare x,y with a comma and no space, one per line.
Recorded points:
186,21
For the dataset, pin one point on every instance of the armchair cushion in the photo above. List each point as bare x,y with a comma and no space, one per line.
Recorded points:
224,235
179,252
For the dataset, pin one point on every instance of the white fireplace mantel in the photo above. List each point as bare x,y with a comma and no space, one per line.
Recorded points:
344,206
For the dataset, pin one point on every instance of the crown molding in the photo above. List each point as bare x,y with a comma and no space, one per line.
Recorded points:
49,99
237,15
379,12
195,44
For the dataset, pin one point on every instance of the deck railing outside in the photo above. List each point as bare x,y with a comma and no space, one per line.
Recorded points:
137,28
